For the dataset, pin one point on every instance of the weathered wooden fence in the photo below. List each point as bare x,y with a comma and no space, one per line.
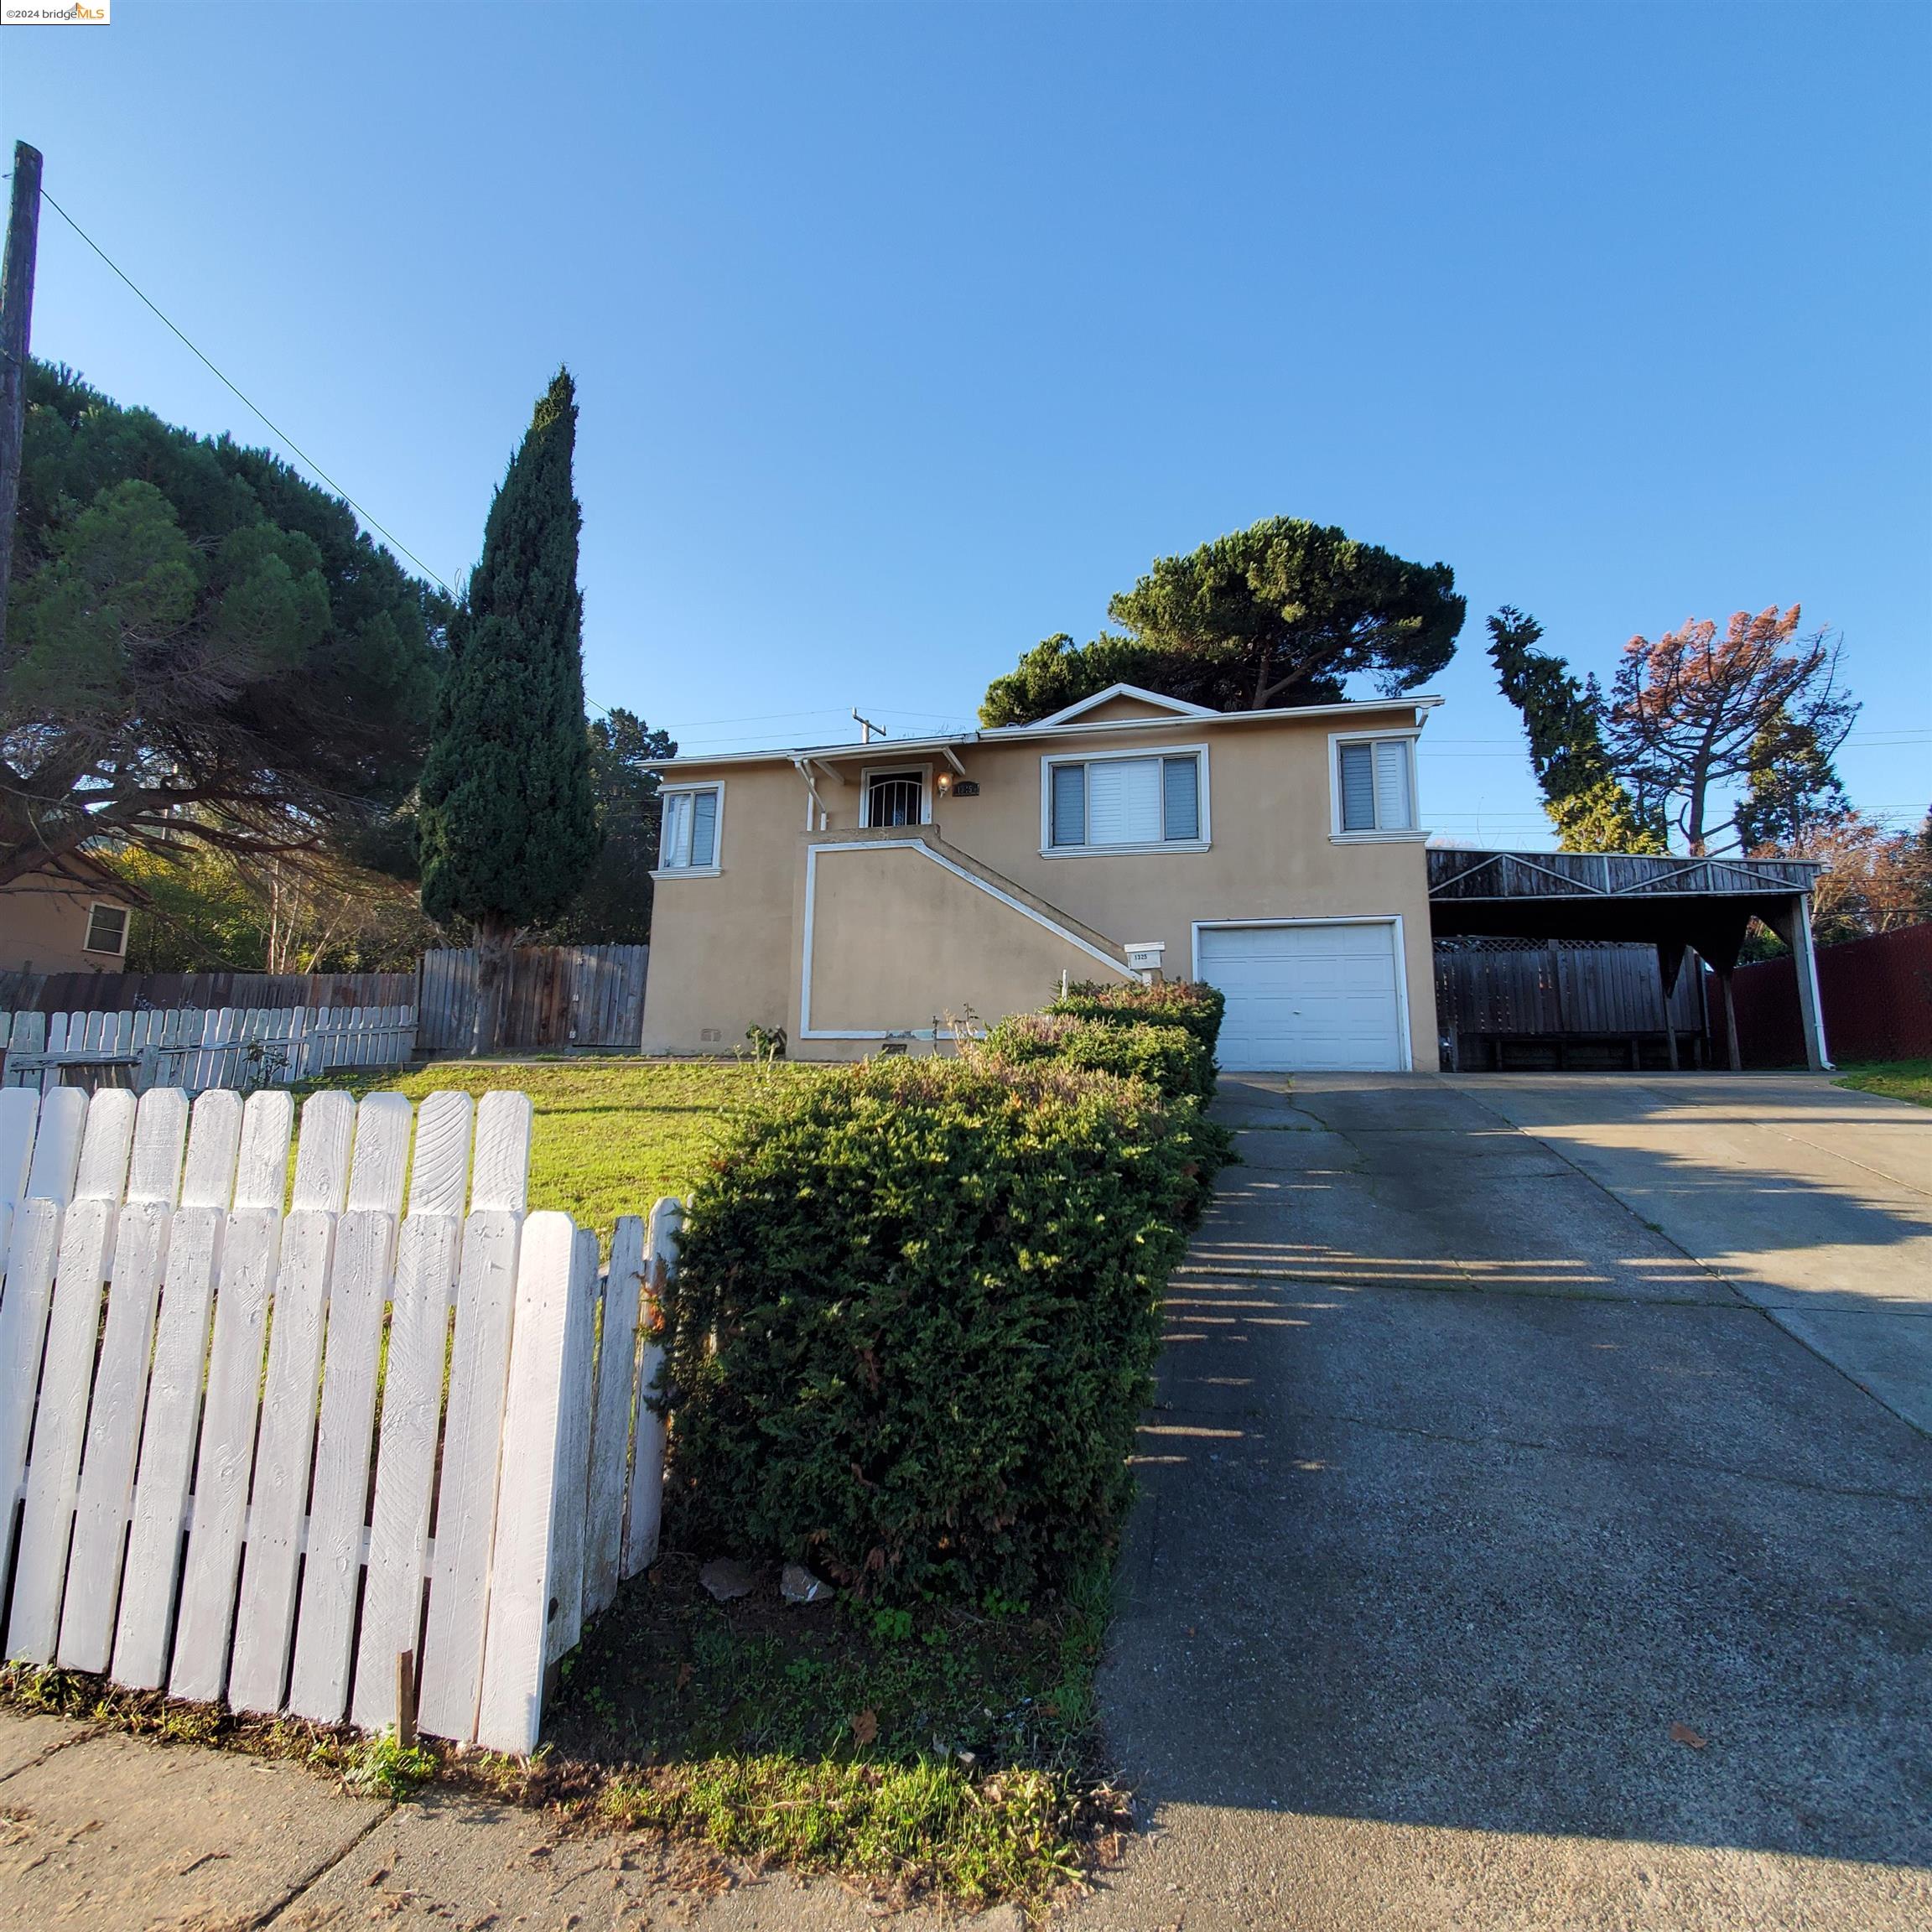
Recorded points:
111,992
248,1453
261,1047
559,996
1508,1002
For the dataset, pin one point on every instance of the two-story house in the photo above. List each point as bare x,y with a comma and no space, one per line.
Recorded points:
862,895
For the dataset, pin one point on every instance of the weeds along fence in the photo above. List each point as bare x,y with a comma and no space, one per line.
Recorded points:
247,1048
316,1449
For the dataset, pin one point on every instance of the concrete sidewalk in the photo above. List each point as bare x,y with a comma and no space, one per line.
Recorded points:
106,1833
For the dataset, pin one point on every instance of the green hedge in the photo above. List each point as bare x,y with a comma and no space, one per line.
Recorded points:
915,1320
1169,1059
1167,1002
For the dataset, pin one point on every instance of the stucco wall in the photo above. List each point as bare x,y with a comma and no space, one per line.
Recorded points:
43,926
898,938
722,947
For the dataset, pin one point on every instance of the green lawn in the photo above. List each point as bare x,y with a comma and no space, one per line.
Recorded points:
610,1136
1895,1079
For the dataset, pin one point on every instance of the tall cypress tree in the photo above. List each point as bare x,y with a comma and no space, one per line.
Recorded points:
509,822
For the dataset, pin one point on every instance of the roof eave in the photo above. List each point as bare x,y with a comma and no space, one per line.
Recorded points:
1019,734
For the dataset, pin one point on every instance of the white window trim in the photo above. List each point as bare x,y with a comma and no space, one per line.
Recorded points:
813,853
1394,919
867,773
118,951
1414,836
1048,850
715,868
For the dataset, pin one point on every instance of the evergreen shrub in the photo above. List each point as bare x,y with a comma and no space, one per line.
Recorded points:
1169,1059
1167,1002
914,1318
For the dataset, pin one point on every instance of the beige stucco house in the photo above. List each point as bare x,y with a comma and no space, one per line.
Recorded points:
863,897
71,916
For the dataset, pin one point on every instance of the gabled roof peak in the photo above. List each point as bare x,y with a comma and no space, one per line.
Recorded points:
1177,707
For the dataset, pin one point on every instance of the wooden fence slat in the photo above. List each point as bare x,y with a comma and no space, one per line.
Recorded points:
106,1145
55,1169
501,1177
510,1706
53,1476
262,1165
160,1505
440,1167
616,1407
570,1517
19,1111
405,1460
358,1290
265,1620
382,1124
322,1153
160,1133
251,1248
33,1259
105,1490
467,1500
214,1150
647,1507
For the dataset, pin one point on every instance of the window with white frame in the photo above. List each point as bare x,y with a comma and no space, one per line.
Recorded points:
1099,804
106,929
688,841
1375,785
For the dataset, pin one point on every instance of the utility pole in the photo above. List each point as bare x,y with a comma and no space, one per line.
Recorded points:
867,729
16,326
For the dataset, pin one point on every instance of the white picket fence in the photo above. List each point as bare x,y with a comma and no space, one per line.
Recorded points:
250,1452
196,1049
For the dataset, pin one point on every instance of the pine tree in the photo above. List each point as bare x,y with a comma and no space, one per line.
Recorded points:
509,818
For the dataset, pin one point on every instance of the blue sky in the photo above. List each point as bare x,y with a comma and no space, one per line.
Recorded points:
904,335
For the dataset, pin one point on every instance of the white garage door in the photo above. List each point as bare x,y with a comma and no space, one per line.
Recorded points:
1306,998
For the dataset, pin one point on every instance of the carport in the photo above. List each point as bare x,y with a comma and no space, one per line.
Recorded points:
1702,906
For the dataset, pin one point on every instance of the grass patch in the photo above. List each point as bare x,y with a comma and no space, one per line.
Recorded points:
1895,1079
931,1751
609,1137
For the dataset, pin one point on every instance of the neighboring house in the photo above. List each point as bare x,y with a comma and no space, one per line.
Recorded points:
863,894
69,916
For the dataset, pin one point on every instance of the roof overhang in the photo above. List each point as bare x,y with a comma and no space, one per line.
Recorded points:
950,743
1648,898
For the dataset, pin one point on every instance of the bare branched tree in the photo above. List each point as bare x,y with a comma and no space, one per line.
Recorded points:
1690,714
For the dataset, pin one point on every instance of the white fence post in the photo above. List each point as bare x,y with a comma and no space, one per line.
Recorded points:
646,1512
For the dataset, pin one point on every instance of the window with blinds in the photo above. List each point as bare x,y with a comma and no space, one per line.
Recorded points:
688,841
1096,803
1376,779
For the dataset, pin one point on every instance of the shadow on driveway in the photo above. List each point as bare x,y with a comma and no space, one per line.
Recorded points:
1473,1503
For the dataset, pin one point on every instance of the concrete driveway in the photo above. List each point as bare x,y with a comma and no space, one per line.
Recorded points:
1528,1540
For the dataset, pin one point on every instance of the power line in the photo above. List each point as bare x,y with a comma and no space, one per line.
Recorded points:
282,433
